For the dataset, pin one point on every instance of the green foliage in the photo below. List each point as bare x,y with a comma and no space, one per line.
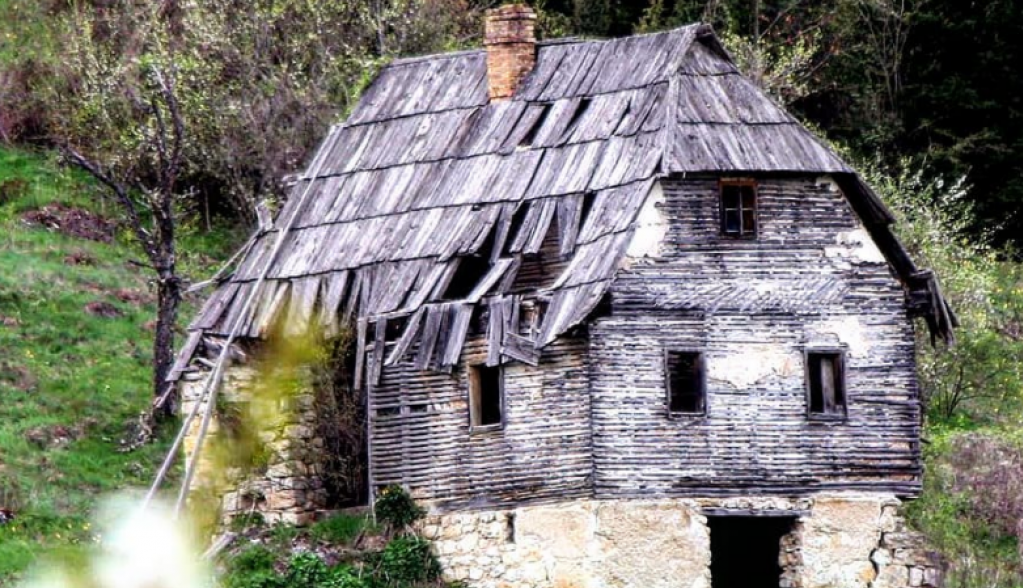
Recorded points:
396,509
306,569
257,82
408,558
253,568
338,529
980,379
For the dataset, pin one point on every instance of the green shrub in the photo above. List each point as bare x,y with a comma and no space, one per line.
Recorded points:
253,568
306,570
396,509
347,577
338,529
409,559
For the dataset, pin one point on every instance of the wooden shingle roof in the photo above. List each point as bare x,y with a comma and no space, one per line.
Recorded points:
426,174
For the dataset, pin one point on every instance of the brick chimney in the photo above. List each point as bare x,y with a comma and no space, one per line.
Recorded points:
511,48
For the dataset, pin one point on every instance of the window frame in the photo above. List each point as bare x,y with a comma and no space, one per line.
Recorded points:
474,396
701,359
841,380
739,183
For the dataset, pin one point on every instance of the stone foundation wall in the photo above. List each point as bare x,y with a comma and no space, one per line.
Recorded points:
283,482
837,541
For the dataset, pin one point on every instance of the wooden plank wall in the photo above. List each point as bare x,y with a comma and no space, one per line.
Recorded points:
751,304
421,436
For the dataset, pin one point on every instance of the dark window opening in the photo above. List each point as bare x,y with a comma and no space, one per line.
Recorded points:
510,531
826,382
580,110
686,390
486,392
739,209
530,136
515,225
388,411
589,199
395,328
745,552
469,273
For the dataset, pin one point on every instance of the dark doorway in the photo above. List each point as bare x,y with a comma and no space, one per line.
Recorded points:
744,550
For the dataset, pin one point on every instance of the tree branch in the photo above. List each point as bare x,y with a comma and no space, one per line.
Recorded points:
120,191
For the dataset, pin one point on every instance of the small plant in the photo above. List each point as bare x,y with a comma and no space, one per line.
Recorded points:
396,509
338,529
409,559
283,534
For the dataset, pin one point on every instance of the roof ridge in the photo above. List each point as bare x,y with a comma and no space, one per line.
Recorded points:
413,59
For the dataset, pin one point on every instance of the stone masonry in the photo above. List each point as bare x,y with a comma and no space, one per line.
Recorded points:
842,540
284,483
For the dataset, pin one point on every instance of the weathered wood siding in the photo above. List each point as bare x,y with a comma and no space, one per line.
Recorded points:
753,306
421,436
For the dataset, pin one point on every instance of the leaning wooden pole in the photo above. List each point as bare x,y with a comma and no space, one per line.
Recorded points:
208,395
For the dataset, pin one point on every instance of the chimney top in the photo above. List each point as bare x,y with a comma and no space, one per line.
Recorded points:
510,41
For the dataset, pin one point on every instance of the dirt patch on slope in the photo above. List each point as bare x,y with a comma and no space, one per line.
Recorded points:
102,309
71,221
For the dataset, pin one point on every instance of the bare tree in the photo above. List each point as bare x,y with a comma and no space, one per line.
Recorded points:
147,198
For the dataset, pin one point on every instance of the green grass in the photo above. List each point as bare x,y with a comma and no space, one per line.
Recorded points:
67,373
340,528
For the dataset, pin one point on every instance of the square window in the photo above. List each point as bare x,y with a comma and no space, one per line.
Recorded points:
685,382
825,376
486,396
739,209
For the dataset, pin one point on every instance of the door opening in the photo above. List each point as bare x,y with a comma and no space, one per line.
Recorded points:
744,551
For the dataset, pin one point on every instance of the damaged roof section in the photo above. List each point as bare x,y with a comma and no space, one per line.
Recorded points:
428,184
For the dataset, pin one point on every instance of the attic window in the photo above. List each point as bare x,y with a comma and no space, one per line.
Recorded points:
486,396
685,382
739,209
825,379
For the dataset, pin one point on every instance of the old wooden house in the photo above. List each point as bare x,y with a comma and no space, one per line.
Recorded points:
621,320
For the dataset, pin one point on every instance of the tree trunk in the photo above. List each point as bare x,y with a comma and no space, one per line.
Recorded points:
168,296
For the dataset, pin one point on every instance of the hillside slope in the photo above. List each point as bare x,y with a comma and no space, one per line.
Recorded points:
75,355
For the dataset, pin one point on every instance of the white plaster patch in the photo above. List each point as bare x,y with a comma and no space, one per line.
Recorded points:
755,364
847,330
855,246
651,226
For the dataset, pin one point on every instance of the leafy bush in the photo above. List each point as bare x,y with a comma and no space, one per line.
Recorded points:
306,569
408,558
396,509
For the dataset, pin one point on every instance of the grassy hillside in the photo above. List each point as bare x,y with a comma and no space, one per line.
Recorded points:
74,358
